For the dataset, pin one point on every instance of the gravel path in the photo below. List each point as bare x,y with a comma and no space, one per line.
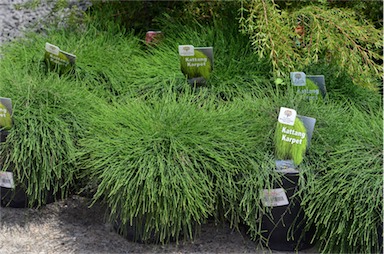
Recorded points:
18,16
70,226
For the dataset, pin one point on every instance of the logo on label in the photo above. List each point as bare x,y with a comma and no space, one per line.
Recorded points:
287,116
298,78
52,49
186,50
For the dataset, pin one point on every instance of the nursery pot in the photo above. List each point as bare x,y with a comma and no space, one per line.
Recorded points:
284,226
16,197
135,232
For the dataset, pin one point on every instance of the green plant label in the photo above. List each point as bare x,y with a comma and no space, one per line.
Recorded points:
274,197
319,81
311,86
58,60
5,113
292,140
196,63
6,180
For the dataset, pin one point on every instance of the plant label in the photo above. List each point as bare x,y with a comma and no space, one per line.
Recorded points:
309,124
274,197
6,180
196,63
312,87
287,116
292,138
319,81
58,60
153,37
5,113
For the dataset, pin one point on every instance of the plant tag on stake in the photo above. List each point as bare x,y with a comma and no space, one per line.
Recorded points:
312,86
5,113
290,137
196,63
319,81
6,180
58,60
274,197
153,37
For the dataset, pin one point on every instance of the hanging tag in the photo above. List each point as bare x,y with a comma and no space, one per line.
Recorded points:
274,197
6,180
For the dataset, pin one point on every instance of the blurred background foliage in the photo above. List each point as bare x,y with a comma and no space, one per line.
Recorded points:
291,35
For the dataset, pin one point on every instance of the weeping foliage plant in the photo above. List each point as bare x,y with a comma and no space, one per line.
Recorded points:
162,161
294,38
345,202
49,114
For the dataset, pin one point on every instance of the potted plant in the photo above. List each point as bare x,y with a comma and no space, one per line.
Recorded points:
48,116
161,163
345,200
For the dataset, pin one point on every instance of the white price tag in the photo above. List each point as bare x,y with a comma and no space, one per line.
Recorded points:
298,78
287,116
274,197
52,49
186,50
6,180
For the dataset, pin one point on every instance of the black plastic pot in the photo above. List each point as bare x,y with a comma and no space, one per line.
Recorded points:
17,197
135,232
284,227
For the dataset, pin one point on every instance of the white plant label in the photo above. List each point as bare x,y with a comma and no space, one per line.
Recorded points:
274,197
186,50
298,78
52,49
287,116
6,180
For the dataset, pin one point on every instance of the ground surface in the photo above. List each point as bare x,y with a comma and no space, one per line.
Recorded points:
70,226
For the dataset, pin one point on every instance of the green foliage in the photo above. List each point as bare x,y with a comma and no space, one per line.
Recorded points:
182,151
330,34
339,87
139,16
49,115
345,201
166,156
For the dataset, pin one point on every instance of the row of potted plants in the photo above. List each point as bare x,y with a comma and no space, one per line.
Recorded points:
166,157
